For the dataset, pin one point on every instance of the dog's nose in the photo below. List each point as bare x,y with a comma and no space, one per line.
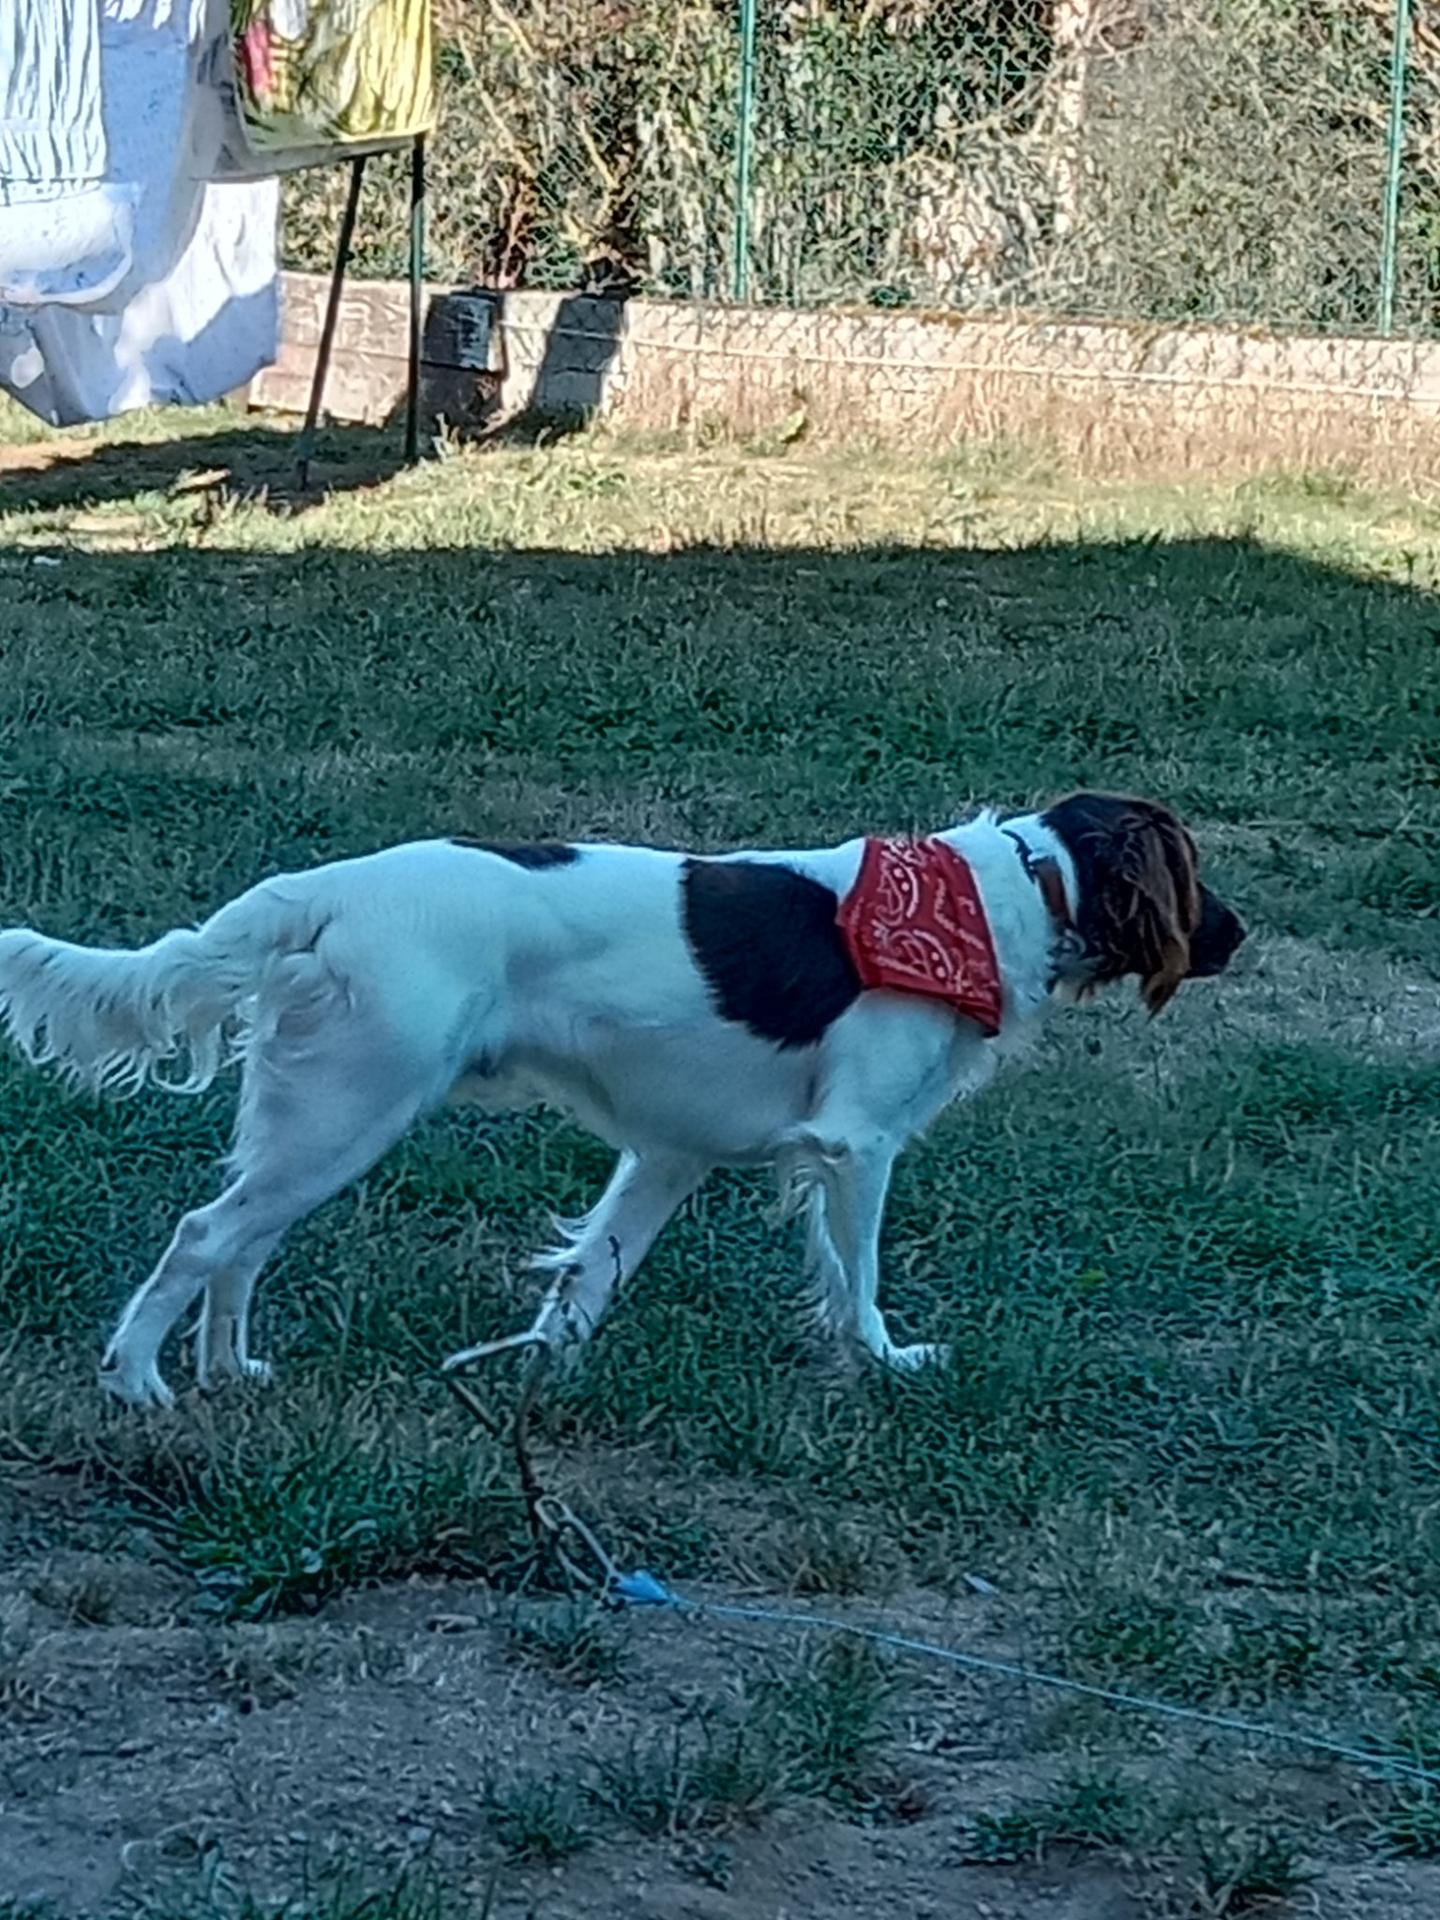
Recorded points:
1215,940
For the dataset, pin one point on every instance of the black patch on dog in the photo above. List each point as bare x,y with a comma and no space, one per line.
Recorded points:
539,855
766,941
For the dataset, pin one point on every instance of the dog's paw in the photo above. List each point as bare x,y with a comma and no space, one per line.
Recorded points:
134,1386
251,1373
915,1359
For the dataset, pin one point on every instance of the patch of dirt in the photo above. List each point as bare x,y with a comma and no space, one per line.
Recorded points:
1284,990
147,1758
35,456
1281,992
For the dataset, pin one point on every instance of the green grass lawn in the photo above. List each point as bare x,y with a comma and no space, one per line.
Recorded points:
1190,1270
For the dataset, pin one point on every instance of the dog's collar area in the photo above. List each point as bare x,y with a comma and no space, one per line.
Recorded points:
1044,871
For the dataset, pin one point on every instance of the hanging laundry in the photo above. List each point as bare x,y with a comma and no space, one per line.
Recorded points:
50,126
127,277
139,144
222,128
96,247
59,236
205,329
328,73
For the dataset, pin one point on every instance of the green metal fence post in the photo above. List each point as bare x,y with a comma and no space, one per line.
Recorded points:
1394,148
744,150
417,297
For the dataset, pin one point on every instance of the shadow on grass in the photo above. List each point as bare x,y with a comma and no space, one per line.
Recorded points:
252,460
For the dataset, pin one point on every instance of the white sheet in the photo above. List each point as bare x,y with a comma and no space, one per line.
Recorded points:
151,283
207,327
95,247
137,230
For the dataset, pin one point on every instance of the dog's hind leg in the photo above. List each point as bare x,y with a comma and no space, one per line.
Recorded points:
223,1350
601,1251
327,1092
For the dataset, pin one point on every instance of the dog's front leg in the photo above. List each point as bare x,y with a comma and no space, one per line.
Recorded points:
849,1184
601,1251
888,1067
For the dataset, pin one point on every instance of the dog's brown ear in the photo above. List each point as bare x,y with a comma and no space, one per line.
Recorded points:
1140,896
1153,902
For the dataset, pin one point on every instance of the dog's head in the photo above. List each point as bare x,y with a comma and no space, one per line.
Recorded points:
1141,908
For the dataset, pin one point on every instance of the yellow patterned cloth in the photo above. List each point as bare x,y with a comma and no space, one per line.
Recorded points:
327,73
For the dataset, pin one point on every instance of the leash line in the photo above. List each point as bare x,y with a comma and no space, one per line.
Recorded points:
551,1520
641,1589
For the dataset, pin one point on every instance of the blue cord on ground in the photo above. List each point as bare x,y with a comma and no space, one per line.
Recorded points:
642,1589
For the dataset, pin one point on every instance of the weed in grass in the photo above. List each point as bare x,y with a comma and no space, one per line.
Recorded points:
815,1732
540,1819
1092,1811
830,1717
265,1535
344,1895
573,1639
727,1762
410,1897
702,1776
1245,1869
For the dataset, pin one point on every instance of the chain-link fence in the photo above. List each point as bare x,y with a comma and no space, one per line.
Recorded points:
1270,162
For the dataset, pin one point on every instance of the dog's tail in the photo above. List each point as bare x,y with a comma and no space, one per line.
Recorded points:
111,1020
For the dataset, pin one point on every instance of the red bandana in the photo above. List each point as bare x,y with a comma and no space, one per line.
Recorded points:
913,922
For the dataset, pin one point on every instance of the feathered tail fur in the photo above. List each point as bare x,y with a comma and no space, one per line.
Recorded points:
110,1020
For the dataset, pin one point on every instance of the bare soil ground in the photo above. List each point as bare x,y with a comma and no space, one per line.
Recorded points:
150,1758
157,1760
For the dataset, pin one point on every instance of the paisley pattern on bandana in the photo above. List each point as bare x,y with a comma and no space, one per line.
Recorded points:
914,923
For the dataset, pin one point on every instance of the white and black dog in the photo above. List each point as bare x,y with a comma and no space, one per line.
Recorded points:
807,1010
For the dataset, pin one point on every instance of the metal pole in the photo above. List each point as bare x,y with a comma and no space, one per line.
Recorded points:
417,295
1394,152
744,150
327,331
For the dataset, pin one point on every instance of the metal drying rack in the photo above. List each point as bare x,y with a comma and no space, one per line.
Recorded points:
306,447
